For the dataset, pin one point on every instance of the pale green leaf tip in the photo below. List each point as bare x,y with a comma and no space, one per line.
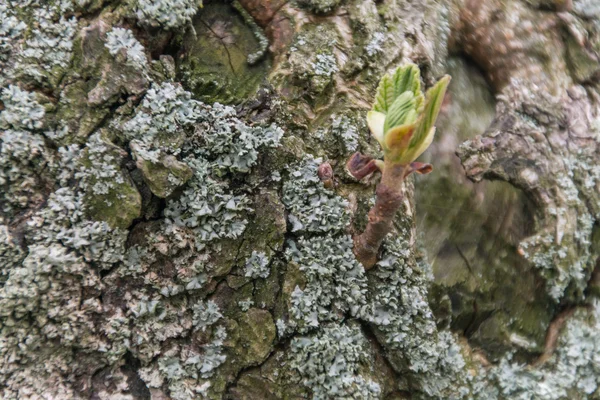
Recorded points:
376,121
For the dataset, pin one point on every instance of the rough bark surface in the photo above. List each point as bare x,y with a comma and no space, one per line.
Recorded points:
156,244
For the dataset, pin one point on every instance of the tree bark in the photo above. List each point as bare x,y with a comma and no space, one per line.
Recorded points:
155,244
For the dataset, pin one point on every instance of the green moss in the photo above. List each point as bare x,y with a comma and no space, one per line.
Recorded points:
118,209
215,65
319,6
165,176
266,230
257,335
110,194
266,290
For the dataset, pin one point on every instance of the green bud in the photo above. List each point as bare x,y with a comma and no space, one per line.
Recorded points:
402,119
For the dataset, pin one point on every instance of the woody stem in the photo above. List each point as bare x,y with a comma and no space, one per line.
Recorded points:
381,216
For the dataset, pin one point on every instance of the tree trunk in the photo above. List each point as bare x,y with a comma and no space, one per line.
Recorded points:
155,243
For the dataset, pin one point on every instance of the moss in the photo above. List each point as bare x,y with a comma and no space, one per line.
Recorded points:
215,66
319,6
307,77
267,227
110,194
257,335
165,176
582,62
119,208
74,114
266,290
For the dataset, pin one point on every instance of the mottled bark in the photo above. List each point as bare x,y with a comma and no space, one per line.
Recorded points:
156,244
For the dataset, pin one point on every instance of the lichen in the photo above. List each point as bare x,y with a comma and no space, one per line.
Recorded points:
228,142
47,49
312,60
11,29
169,14
257,265
23,155
186,369
120,40
571,372
329,363
21,109
335,281
207,206
345,131
312,208
205,314
160,121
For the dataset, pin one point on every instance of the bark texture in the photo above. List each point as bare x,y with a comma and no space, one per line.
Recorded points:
157,244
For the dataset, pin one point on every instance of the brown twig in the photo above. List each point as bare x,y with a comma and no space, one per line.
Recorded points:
381,216
388,202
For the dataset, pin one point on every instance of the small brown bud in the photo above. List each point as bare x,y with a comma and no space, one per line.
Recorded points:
325,173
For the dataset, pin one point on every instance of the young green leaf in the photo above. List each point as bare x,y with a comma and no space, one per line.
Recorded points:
404,79
399,110
385,94
397,139
433,103
376,121
412,153
407,78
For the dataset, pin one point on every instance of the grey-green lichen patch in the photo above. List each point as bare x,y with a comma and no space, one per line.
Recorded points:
156,133
230,143
570,373
257,265
164,258
205,314
121,42
37,42
329,363
168,122
324,282
335,281
159,123
344,129
566,269
26,162
219,63
207,206
185,368
11,29
314,71
21,109
108,65
340,136
168,14
406,327
11,254
312,208
63,220
57,283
